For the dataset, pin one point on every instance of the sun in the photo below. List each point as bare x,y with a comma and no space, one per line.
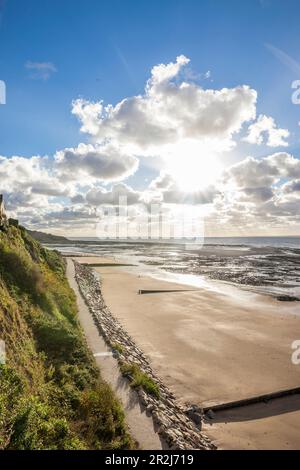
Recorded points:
193,172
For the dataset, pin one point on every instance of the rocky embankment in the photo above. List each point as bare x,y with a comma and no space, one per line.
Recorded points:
171,419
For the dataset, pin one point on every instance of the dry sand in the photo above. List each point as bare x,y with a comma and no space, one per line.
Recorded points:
211,348
270,426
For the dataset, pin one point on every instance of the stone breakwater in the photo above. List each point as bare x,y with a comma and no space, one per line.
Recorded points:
170,418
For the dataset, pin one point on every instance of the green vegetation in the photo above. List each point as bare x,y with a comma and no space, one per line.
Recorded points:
51,395
117,347
140,379
43,237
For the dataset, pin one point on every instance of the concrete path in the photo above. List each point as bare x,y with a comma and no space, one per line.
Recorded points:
140,425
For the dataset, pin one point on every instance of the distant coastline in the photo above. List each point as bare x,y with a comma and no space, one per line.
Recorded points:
292,240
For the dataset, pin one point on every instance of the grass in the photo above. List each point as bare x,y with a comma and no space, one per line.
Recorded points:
51,394
117,347
140,379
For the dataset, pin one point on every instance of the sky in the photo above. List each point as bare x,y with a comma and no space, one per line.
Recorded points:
185,104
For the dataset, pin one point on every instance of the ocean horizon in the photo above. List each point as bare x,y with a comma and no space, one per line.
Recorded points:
276,241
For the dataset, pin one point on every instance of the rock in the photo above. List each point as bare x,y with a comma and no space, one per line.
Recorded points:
210,414
195,416
149,408
287,298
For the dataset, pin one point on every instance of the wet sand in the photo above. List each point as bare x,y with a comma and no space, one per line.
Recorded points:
212,347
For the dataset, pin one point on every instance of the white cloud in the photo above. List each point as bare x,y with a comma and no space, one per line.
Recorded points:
115,196
162,182
165,189
292,187
264,130
255,194
189,128
165,72
36,183
168,113
72,215
260,195
40,70
35,174
265,172
89,114
101,162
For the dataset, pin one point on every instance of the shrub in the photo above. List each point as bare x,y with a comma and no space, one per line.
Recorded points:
54,261
11,388
140,379
35,428
61,342
103,419
19,271
117,347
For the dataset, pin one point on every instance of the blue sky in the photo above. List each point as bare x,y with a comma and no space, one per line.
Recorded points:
53,52
105,49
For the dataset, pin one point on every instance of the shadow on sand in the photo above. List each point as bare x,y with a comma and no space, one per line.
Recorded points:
274,407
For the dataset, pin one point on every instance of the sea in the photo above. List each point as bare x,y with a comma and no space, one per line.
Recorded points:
264,265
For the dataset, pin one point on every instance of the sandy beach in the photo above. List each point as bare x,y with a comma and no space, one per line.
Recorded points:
211,347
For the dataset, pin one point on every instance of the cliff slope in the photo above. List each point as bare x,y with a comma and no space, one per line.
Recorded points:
51,395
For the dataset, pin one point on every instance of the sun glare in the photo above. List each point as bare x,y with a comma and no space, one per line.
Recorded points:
193,172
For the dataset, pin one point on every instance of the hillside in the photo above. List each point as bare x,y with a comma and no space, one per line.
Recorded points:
51,395
43,237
